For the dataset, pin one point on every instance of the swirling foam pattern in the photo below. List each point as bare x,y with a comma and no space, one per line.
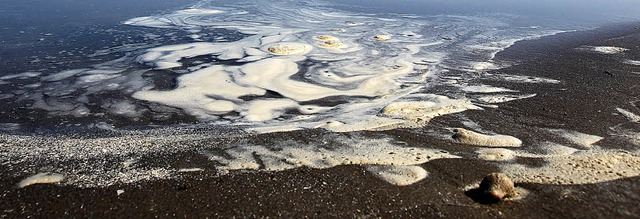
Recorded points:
289,65
343,55
296,65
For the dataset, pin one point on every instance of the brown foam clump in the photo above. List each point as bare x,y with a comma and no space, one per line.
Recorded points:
470,137
289,48
41,178
329,42
326,37
580,168
399,175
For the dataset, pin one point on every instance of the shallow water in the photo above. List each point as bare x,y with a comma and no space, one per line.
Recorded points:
166,68
253,67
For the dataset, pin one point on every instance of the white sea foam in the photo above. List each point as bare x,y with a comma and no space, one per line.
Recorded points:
501,98
289,155
295,65
526,79
41,178
566,165
606,49
632,62
474,138
23,75
485,89
496,154
586,141
631,116
366,71
399,175
580,168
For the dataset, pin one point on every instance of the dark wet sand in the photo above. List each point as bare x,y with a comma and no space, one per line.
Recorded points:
585,101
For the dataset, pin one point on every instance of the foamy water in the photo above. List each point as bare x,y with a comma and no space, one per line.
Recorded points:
291,66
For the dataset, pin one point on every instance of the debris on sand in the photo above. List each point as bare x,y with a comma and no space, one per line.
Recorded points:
497,186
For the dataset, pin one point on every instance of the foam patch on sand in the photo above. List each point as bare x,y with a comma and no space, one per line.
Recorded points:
89,162
496,154
41,178
474,138
399,175
554,149
607,49
632,62
565,165
291,155
585,141
580,168
425,110
502,98
485,89
526,79
631,116
95,162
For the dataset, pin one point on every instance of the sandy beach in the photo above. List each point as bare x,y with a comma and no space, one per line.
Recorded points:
596,95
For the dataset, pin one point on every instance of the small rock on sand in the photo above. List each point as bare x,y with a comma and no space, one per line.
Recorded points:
497,186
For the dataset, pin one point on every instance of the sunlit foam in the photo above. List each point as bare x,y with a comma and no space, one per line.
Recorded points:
288,57
295,66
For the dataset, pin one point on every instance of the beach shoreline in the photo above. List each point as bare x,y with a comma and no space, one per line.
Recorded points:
592,87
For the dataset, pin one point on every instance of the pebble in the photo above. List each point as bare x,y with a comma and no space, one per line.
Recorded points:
498,186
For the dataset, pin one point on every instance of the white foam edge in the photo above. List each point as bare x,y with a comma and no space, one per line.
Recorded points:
359,152
582,167
189,170
632,62
605,49
399,175
586,141
474,138
41,178
485,89
502,98
630,116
